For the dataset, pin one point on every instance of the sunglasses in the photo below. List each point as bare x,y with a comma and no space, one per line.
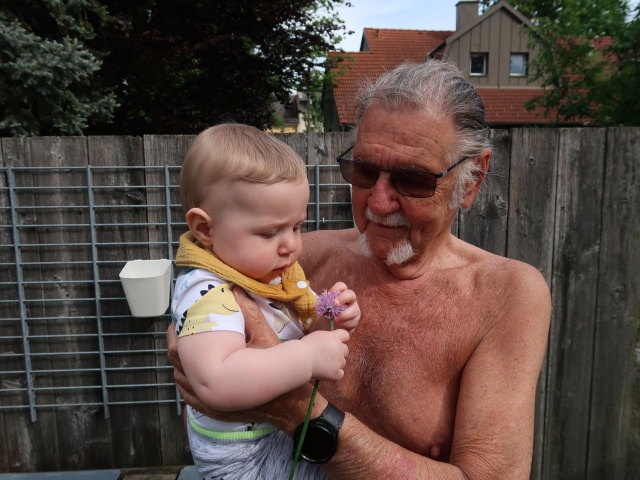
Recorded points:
407,182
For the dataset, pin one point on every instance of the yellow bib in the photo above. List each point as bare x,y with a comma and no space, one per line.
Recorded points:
293,288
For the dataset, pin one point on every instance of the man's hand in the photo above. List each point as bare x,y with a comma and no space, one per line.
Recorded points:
257,332
258,335
184,387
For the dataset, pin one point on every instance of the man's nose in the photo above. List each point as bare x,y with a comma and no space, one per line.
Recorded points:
383,198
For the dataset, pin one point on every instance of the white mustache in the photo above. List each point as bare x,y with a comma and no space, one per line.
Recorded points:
394,219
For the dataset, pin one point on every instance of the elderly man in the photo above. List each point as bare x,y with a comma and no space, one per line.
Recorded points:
442,371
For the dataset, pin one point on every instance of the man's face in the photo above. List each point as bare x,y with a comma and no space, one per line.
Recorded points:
391,222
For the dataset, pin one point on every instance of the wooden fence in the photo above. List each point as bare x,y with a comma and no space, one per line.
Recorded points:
83,385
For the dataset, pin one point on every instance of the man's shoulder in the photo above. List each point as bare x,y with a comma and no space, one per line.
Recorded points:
518,273
346,233
323,248
328,240
495,264
518,289
505,274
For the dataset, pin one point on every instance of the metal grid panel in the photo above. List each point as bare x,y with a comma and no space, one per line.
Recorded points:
67,338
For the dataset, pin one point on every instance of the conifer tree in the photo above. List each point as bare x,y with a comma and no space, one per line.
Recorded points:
48,82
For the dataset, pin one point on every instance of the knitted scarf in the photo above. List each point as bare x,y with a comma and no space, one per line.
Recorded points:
293,288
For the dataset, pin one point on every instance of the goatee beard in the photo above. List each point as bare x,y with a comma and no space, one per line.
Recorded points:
397,256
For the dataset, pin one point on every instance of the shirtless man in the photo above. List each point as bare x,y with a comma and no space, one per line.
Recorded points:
441,376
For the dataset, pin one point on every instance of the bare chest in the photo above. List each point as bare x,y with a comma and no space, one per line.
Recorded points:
405,362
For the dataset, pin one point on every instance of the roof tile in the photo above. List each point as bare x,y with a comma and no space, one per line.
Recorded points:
388,48
506,105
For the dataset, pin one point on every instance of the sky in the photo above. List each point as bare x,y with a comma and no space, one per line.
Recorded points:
407,14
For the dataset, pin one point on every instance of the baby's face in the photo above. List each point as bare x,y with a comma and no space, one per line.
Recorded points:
257,227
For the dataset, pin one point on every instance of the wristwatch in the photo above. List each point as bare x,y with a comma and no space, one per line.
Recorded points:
321,440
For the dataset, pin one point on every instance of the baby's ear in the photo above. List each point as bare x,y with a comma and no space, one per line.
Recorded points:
200,223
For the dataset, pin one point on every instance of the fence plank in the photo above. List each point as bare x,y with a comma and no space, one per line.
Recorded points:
75,424
297,141
333,196
26,446
53,424
9,314
532,189
574,287
485,223
133,426
161,150
614,420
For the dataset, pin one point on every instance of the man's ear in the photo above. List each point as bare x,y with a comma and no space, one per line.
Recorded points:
472,188
200,223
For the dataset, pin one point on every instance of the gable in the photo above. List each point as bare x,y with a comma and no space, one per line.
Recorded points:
502,8
498,34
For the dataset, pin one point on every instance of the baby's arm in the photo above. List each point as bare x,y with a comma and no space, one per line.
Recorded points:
228,376
347,304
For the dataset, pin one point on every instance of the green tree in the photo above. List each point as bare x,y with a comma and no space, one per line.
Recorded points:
47,72
179,67
588,59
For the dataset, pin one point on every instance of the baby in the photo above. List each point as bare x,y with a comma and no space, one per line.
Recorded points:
245,197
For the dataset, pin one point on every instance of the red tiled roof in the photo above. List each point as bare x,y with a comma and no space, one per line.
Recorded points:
389,45
388,48
506,105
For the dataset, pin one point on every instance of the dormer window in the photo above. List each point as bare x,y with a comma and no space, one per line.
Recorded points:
518,64
479,63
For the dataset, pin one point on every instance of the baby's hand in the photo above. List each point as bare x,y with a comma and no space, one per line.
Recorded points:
347,319
328,353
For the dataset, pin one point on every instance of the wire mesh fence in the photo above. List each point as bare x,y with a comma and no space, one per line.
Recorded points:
68,338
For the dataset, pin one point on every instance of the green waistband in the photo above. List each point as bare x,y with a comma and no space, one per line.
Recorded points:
261,432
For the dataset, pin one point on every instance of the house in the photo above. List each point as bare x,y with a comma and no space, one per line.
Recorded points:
491,50
294,116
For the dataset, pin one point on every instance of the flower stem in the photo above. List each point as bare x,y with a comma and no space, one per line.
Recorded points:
296,457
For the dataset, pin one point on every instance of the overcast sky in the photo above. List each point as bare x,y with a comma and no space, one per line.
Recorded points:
407,14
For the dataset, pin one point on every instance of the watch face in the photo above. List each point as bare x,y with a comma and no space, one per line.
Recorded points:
319,444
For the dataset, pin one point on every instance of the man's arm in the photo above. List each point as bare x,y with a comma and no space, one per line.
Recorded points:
493,436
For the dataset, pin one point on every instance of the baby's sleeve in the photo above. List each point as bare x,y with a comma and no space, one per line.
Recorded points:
205,305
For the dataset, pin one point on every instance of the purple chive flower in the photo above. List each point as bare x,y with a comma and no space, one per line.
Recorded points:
327,306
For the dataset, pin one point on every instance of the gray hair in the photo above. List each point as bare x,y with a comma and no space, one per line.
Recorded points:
437,88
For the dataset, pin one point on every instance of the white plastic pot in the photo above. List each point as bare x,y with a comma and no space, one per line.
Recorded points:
146,285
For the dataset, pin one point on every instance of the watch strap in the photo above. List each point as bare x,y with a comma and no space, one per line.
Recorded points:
328,422
332,416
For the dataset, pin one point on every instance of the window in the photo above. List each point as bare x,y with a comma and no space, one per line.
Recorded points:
518,65
479,63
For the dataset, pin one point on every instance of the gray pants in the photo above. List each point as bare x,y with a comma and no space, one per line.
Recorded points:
265,458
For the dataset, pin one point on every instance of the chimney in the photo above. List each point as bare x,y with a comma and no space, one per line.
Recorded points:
466,13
